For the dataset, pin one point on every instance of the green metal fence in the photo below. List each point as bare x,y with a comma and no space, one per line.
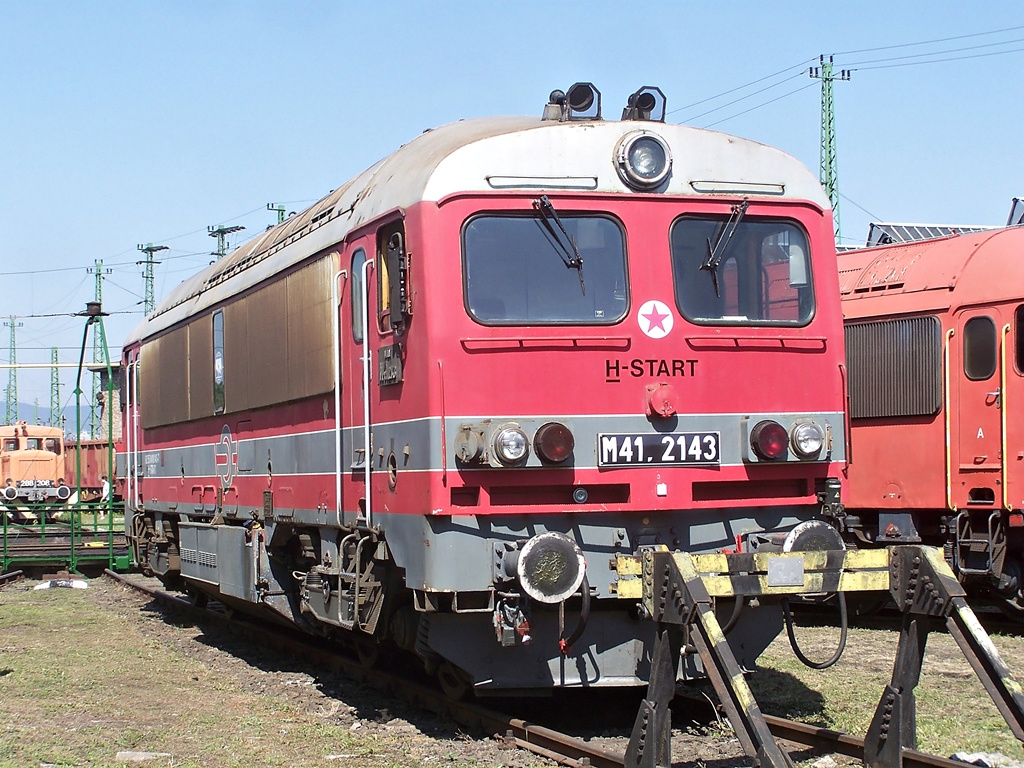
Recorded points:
78,534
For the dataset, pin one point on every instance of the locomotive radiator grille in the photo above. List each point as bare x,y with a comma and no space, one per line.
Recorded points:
198,557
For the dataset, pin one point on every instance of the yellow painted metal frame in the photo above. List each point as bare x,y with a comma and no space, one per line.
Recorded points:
862,570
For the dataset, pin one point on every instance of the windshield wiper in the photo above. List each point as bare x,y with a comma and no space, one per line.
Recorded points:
569,254
716,251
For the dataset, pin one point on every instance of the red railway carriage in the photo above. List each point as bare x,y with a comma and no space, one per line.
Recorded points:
430,409
935,343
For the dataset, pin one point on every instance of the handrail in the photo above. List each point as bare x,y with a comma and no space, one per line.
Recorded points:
1004,459
366,389
336,333
949,450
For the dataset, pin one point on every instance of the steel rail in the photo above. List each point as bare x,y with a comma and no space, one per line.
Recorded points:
845,744
512,731
12,576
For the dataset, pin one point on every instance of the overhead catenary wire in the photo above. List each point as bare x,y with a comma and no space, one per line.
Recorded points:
881,63
799,65
929,42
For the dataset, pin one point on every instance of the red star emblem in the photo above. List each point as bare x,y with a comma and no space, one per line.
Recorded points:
655,319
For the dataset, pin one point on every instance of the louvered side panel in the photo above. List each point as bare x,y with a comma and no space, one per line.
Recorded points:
895,367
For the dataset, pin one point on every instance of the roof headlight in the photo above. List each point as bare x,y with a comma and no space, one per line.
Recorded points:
643,159
807,439
511,445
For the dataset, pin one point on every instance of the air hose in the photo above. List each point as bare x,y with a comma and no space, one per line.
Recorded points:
843,627
565,643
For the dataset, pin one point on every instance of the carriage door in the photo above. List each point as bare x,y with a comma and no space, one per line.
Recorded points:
978,409
1012,339
351,330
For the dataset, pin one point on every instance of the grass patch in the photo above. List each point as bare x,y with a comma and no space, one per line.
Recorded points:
80,682
954,712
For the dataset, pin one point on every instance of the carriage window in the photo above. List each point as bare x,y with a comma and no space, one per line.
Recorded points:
391,266
759,273
356,281
979,348
218,362
515,273
1018,337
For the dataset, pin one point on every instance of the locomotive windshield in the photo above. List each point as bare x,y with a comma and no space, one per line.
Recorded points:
517,273
762,272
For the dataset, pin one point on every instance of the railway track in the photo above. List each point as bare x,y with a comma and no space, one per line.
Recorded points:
511,731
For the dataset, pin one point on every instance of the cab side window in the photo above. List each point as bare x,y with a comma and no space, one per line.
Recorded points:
218,361
358,310
979,348
393,268
1018,338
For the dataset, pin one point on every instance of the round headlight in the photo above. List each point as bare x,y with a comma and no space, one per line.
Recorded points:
511,445
807,438
643,160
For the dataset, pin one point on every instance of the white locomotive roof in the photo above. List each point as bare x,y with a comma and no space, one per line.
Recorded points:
490,155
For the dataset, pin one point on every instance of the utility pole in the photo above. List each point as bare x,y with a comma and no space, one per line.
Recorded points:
278,209
54,389
99,343
148,302
221,233
829,176
12,376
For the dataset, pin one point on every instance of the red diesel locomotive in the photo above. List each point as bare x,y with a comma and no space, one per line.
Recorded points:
429,411
935,345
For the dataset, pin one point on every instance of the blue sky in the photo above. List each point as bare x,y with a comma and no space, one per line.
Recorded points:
126,123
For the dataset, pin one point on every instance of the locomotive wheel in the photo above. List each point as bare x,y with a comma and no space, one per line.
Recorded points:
455,682
1010,599
196,598
368,651
1012,608
139,544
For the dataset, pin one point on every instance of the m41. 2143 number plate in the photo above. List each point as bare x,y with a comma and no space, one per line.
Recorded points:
618,450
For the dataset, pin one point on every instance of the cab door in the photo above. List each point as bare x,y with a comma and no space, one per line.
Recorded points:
351,332
978,409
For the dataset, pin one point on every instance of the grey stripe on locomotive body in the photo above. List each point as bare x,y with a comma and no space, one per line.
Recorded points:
312,453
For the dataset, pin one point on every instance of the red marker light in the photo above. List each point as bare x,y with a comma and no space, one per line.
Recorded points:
554,442
769,440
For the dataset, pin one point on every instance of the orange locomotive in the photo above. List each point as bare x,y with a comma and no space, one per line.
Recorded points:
32,462
935,348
